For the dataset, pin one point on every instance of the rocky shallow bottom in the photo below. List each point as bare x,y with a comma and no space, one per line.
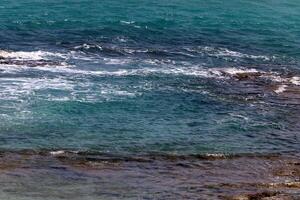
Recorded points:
88,175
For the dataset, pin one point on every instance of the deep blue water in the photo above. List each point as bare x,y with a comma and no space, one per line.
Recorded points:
185,77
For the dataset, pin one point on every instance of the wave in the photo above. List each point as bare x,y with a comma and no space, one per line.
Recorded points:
185,51
32,58
142,157
280,89
295,80
196,71
158,68
62,89
58,62
223,52
76,82
30,55
88,46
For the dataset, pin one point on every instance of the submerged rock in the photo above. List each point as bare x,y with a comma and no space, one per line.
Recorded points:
248,75
266,195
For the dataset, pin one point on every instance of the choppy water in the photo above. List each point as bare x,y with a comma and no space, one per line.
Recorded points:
143,77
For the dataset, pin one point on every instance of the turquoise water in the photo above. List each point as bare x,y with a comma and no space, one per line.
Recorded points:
185,77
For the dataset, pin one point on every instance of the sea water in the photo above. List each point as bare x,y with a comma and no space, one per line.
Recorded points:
150,77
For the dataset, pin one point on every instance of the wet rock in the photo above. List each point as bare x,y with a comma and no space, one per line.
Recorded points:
266,195
279,197
248,75
291,169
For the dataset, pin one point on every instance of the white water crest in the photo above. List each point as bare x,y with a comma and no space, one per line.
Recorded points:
295,80
280,89
226,53
153,67
30,55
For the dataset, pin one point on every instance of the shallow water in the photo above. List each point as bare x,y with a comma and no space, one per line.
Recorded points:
81,175
133,78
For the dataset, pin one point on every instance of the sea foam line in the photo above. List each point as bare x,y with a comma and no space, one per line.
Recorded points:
168,69
223,52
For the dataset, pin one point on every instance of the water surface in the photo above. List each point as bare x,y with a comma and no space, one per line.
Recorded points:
135,78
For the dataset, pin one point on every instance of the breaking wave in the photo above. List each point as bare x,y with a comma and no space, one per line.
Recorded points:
30,55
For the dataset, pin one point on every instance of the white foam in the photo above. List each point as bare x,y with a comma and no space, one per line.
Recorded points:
30,55
277,78
131,51
227,52
88,46
197,71
223,52
295,80
157,67
127,22
115,61
56,153
80,89
234,71
280,89
215,155
274,77
121,39
239,116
